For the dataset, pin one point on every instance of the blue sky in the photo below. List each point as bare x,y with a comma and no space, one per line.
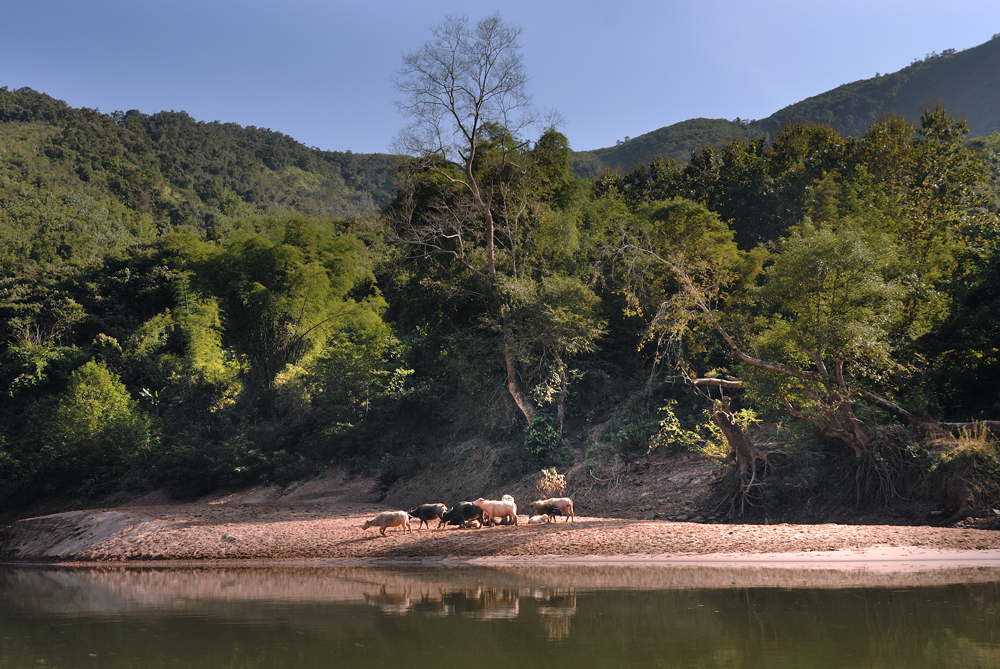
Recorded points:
320,71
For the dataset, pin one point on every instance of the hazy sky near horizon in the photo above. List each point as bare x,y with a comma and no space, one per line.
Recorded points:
320,70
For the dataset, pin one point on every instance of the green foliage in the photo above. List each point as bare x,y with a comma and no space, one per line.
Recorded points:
672,436
179,307
955,77
965,350
503,252
93,178
677,142
987,150
552,322
763,190
841,301
829,290
850,109
48,215
631,424
359,372
541,438
279,300
195,468
90,438
676,256
975,459
586,165
830,312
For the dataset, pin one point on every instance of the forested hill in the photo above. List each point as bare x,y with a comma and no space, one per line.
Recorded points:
966,83
168,168
675,141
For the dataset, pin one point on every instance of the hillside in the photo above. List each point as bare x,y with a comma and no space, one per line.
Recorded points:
674,141
966,83
79,178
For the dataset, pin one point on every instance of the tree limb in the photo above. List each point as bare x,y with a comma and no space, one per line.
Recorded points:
891,407
721,383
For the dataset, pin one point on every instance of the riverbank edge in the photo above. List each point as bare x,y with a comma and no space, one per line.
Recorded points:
888,558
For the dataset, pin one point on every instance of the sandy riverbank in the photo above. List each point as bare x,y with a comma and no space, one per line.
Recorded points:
320,531
320,520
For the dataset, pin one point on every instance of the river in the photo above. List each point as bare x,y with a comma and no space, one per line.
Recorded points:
574,616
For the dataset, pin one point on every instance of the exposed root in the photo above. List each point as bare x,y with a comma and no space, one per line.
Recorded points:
885,474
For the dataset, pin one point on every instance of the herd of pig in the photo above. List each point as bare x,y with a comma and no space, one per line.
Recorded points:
473,515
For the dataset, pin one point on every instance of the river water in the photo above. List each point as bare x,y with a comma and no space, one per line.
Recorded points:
573,616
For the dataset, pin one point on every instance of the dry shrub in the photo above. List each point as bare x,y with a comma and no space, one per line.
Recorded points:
976,441
552,483
969,475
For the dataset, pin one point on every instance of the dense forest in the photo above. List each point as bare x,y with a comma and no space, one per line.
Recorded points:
189,305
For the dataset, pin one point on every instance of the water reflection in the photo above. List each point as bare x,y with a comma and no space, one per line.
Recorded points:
484,603
556,608
569,617
478,602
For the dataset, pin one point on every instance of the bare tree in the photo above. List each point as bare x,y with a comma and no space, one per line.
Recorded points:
464,81
465,95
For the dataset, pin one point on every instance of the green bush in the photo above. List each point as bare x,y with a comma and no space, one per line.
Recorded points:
93,436
541,438
672,435
194,468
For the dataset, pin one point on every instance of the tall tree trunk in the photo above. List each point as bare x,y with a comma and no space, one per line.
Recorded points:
490,246
563,391
514,384
740,444
484,207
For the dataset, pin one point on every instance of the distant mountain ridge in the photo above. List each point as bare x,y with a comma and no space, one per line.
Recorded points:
674,141
180,171
966,83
